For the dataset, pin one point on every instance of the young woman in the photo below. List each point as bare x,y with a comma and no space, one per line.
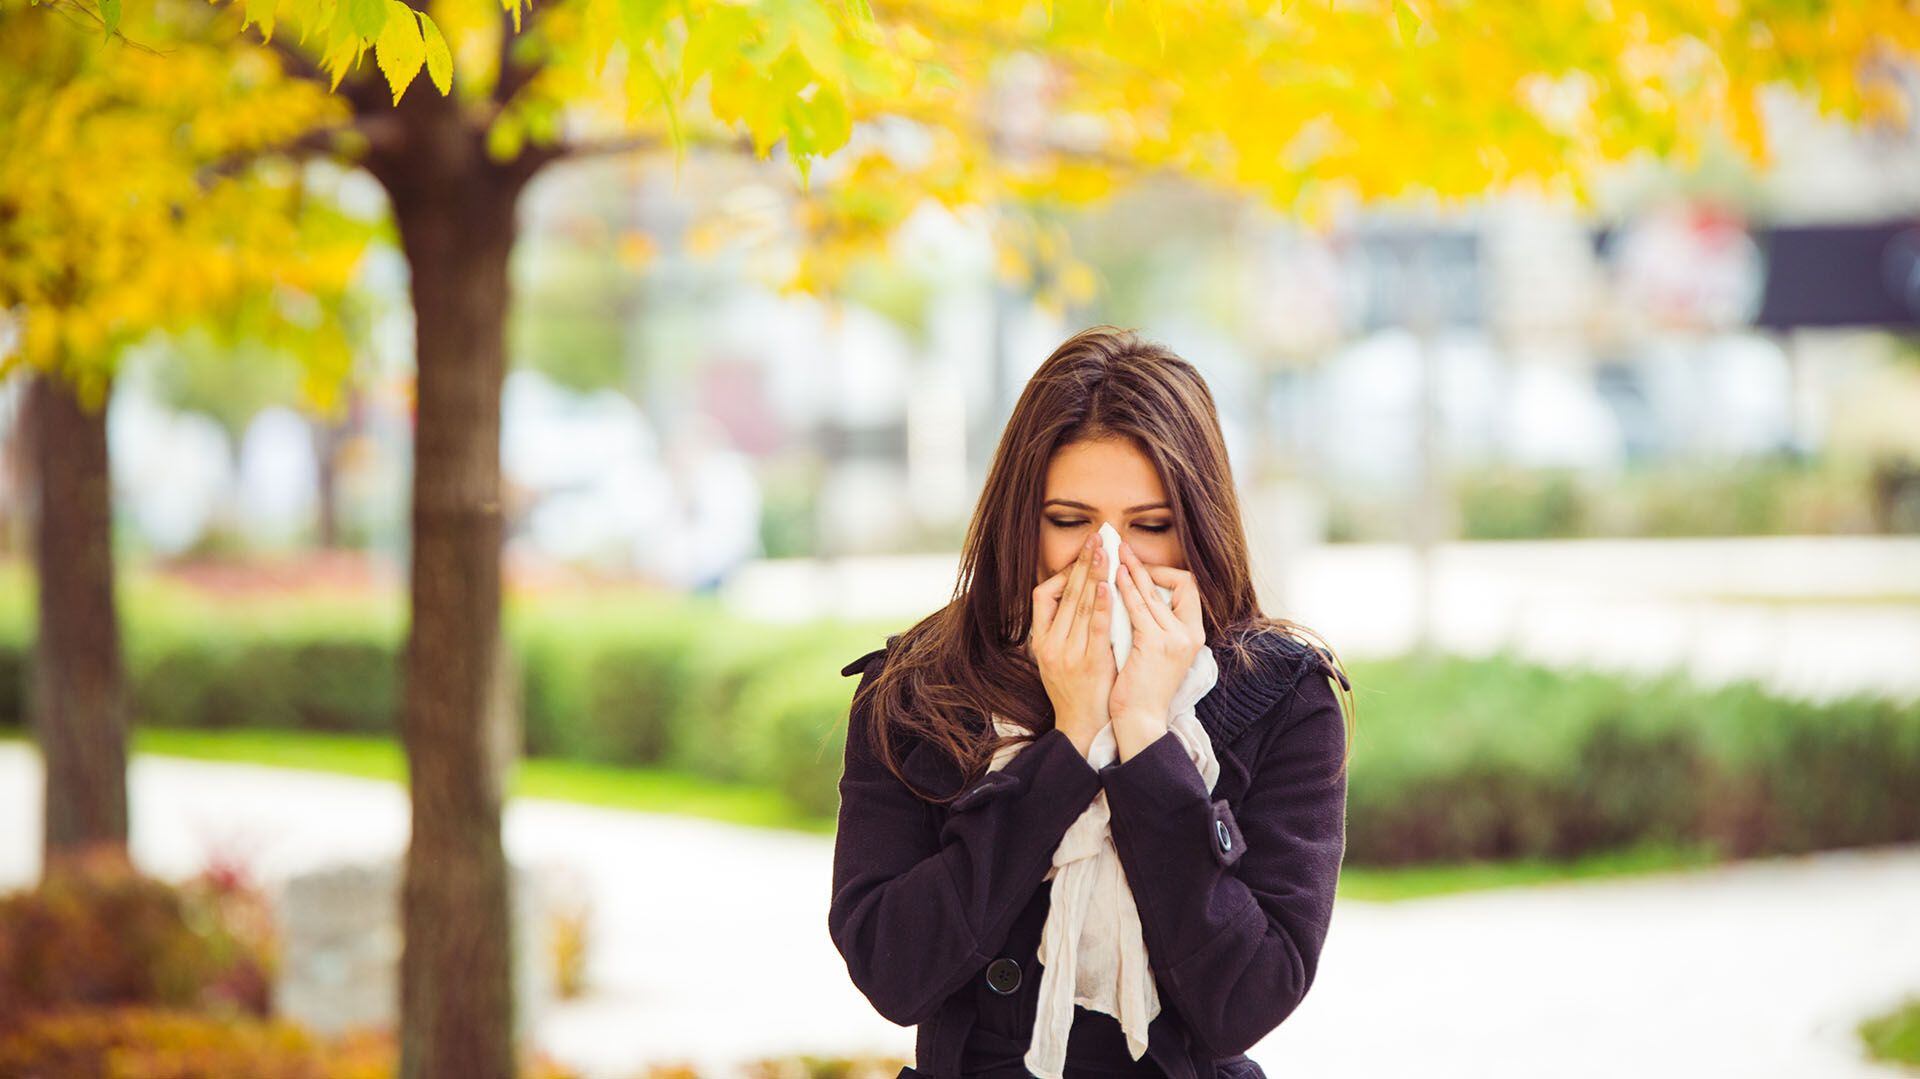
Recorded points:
940,886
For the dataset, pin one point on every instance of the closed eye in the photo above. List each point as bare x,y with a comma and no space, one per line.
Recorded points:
1154,529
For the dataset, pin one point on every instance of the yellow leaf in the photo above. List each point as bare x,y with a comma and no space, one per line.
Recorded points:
399,49
439,58
260,13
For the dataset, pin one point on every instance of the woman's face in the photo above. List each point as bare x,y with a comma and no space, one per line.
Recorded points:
1105,481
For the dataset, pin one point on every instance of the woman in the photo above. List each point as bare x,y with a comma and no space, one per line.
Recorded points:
940,865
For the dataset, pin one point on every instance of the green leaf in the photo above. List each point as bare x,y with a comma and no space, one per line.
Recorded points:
868,74
641,20
439,59
110,15
505,138
367,17
713,42
342,51
825,120
321,18
400,50
1407,20
812,33
669,101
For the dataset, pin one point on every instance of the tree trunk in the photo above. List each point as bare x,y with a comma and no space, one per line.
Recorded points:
455,213
78,699
328,436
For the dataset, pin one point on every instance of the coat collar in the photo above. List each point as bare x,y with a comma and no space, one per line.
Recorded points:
1244,693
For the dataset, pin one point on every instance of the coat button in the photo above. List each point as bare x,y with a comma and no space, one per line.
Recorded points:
1003,975
1220,830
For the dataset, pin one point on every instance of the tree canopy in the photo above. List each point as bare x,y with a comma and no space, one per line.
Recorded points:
1304,104
148,186
1377,96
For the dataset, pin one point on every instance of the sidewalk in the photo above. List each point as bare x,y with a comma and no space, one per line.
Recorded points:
712,945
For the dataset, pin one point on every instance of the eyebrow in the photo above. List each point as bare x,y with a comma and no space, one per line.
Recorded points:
1141,508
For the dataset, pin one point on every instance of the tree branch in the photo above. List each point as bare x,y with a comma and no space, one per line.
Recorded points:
512,76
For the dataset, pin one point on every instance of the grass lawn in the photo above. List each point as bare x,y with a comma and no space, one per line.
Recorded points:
1895,1036
656,790
1414,882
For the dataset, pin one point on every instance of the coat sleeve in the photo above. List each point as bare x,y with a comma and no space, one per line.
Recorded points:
919,908
1234,907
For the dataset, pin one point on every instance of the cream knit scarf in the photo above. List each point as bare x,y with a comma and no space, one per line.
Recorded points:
1091,949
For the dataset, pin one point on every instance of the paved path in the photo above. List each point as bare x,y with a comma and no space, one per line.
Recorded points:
712,944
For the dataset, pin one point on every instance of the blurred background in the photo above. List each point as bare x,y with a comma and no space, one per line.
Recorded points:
1610,505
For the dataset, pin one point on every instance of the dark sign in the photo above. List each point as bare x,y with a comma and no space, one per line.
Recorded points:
1841,275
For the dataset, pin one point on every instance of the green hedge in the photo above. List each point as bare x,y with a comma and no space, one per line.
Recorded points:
1454,759
662,682
1762,496
1496,758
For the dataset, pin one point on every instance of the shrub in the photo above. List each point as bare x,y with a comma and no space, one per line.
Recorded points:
709,731
602,683
793,721
96,931
286,676
106,973
164,1043
1760,496
1499,758
1894,1036
161,1043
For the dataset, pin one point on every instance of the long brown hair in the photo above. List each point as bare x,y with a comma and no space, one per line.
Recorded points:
968,660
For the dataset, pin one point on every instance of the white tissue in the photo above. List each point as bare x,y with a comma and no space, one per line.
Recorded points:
1120,621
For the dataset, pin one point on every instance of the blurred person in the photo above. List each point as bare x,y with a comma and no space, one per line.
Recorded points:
942,874
719,501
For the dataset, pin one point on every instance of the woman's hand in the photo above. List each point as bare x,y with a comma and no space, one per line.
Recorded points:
1071,642
1166,638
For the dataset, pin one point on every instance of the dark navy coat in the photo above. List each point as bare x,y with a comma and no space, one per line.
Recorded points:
938,909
